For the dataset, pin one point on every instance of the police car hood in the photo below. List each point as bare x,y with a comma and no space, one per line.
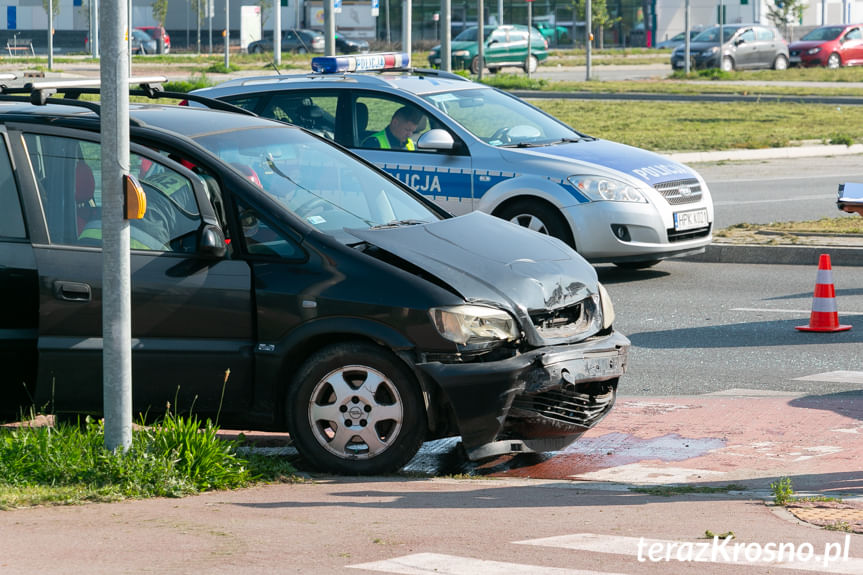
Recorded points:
641,164
486,259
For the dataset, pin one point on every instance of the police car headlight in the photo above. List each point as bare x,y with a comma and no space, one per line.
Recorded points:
710,51
474,325
461,53
598,188
607,308
814,50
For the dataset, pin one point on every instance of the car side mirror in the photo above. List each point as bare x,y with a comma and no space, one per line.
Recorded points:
212,241
739,41
436,139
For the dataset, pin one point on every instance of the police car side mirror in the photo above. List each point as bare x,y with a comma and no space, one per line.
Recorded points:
212,242
436,139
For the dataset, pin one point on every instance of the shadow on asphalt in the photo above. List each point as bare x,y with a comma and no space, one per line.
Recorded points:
745,334
839,402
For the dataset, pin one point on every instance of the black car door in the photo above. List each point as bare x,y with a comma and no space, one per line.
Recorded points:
19,302
191,314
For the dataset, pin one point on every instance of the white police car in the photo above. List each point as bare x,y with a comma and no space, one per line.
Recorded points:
474,147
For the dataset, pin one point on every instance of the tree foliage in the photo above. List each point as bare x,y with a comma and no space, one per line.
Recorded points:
600,18
783,13
54,4
160,11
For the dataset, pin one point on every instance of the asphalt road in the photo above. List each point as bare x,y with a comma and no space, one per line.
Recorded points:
704,327
781,190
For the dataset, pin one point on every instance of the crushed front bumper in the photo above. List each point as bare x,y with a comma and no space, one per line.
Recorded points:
537,401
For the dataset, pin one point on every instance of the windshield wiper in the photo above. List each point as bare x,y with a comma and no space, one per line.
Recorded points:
398,224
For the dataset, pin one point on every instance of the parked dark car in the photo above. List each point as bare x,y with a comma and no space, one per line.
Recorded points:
829,46
503,46
680,39
743,46
348,46
300,41
281,283
160,35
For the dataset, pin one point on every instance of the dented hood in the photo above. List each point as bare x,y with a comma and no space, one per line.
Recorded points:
486,259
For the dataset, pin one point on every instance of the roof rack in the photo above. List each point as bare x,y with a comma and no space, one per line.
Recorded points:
39,93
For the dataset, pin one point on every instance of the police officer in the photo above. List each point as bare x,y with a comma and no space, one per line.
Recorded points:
396,136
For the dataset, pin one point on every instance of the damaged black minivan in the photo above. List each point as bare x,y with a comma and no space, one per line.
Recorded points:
336,304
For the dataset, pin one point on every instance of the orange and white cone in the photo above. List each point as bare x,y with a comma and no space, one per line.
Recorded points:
824,316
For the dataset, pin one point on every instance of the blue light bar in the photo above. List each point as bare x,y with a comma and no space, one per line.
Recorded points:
361,63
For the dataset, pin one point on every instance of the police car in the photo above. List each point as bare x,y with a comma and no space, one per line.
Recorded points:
346,308
478,148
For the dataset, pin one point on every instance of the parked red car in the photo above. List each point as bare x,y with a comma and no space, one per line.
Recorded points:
160,35
829,46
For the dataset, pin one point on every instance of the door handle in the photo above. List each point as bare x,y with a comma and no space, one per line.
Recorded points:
72,291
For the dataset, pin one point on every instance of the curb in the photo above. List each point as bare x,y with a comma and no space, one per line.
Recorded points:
809,151
782,255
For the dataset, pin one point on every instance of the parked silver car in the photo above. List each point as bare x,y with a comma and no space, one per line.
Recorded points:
743,46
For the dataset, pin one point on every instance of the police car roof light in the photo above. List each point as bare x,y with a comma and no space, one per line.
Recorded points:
361,63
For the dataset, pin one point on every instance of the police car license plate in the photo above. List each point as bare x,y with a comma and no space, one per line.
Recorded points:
690,220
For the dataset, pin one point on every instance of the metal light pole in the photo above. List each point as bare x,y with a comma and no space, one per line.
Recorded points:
529,34
277,33
407,23
51,34
116,282
687,26
329,28
227,34
480,37
499,12
445,36
588,36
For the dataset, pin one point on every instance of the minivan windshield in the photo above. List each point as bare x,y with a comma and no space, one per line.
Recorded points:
323,185
501,120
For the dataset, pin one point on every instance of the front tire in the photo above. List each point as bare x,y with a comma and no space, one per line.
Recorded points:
530,64
727,64
257,49
539,217
356,409
834,61
780,63
475,65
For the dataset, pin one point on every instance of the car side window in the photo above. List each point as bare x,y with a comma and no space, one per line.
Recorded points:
374,122
498,36
68,175
748,35
260,238
854,34
316,113
11,217
764,34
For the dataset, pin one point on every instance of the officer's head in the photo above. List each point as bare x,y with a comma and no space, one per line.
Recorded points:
404,122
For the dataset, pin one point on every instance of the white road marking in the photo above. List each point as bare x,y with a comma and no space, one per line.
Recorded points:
619,545
425,563
774,201
834,376
795,311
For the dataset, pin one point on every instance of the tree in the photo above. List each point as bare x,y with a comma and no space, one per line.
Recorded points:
784,13
599,16
266,8
54,4
160,11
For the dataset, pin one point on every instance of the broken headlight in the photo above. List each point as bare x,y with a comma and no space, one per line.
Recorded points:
474,326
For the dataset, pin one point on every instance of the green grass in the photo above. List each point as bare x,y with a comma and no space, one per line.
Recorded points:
67,464
841,225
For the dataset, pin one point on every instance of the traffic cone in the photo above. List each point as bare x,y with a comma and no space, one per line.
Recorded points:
824,315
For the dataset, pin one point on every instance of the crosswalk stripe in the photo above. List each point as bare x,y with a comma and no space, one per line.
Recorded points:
673,550
425,563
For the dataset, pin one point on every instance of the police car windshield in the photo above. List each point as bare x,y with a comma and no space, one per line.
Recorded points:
501,120
321,184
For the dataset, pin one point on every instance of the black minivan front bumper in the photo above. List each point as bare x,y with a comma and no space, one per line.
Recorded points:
552,393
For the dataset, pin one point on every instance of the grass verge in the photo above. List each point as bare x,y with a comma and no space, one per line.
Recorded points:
180,455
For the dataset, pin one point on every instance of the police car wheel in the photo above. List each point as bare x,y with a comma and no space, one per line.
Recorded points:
539,217
355,408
